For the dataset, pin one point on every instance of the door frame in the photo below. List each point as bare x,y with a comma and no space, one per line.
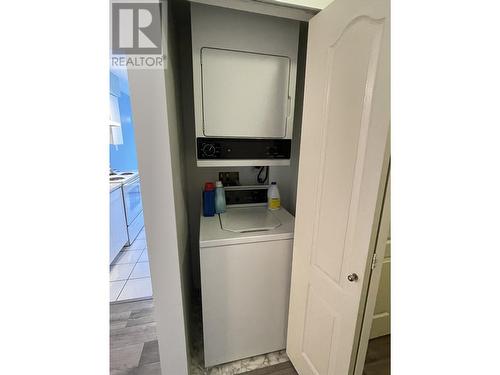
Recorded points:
154,102
380,234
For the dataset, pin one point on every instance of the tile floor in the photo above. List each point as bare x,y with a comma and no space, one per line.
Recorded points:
129,277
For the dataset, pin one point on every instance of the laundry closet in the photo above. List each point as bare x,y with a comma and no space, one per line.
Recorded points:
237,94
242,81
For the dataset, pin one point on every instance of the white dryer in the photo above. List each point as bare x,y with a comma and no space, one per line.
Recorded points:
245,260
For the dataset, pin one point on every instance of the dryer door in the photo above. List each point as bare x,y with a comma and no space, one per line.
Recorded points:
244,94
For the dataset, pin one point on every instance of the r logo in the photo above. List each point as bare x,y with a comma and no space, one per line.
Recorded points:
136,28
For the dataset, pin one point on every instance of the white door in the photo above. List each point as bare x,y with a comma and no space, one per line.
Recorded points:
344,135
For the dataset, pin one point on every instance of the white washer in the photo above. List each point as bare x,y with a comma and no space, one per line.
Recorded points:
245,260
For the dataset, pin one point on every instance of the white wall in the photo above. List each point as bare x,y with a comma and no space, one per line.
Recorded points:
158,134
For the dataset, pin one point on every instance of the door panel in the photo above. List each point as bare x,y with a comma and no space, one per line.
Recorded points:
319,328
345,103
344,134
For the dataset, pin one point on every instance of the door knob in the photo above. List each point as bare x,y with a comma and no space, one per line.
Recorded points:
352,277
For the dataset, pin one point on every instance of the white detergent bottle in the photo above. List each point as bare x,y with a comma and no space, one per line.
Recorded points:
273,197
220,198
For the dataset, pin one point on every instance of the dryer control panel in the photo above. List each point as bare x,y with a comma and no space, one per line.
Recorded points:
237,148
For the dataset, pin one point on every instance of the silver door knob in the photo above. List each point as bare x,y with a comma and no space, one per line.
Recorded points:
352,277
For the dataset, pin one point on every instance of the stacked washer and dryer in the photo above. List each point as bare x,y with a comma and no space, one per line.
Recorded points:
244,79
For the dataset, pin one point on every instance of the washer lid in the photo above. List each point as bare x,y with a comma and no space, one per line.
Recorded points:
248,219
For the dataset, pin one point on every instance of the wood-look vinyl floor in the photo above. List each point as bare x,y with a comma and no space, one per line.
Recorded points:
285,368
378,356
133,342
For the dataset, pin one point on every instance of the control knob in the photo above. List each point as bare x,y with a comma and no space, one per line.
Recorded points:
208,149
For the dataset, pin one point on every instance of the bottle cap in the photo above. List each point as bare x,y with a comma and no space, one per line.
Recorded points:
209,186
218,184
